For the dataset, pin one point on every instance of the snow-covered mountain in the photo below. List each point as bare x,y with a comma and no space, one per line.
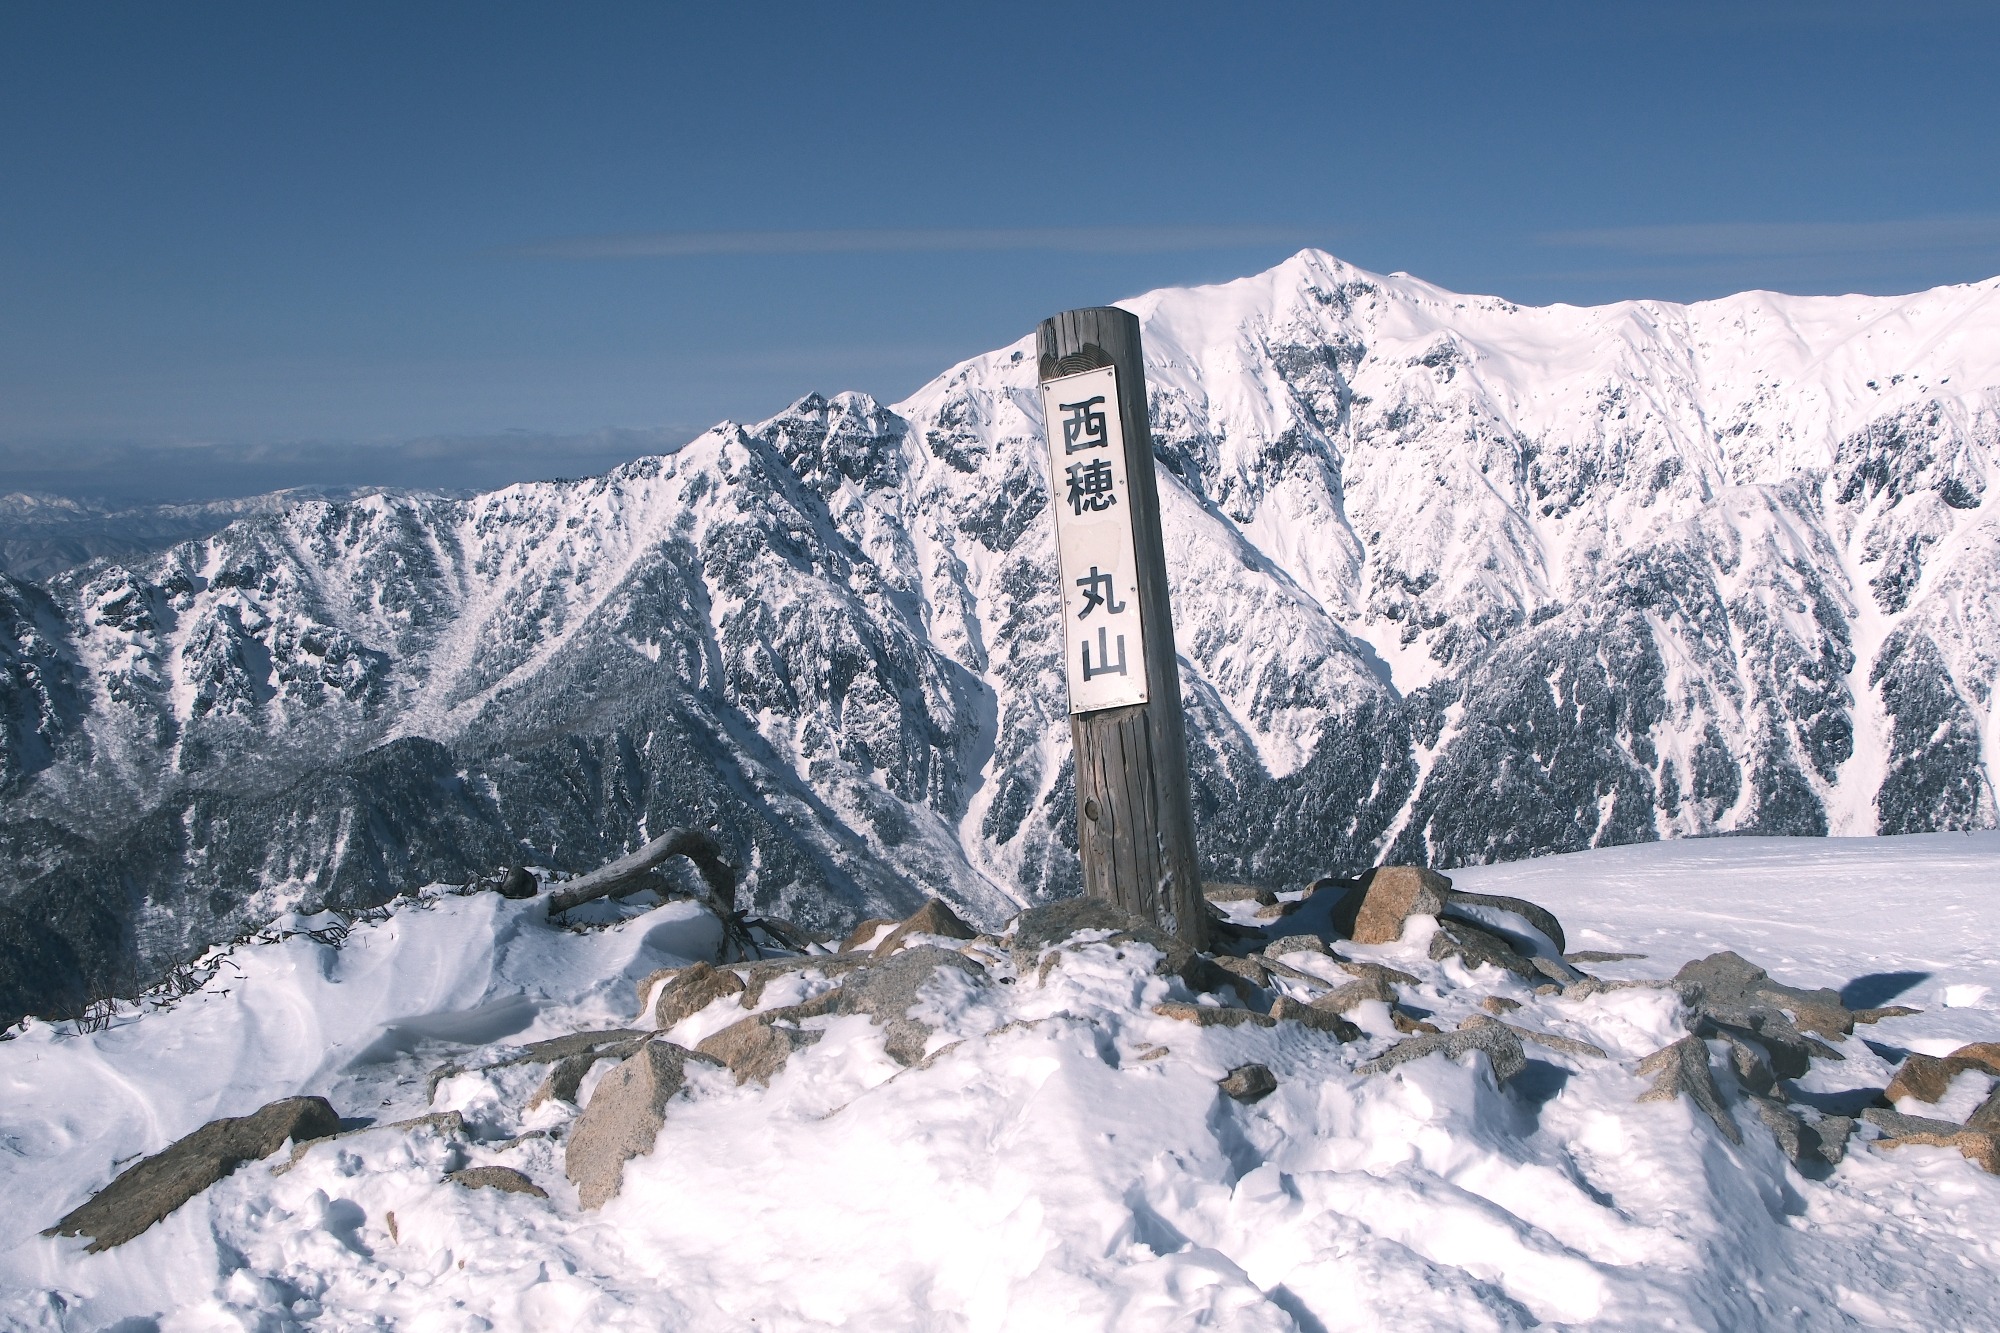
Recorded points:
1454,581
43,535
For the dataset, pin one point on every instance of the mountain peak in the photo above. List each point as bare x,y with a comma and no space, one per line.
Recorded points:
1454,580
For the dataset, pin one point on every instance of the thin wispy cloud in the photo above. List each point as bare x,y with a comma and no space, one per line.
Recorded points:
1708,239
918,240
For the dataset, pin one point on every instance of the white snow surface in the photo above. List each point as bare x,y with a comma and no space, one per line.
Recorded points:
1044,1173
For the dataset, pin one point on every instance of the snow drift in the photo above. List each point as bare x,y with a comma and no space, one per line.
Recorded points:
1068,1163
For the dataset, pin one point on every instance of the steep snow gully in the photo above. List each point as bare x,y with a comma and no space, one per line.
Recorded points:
1456,581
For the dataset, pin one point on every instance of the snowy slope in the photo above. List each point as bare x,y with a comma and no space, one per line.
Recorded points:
1454,580
1058,1172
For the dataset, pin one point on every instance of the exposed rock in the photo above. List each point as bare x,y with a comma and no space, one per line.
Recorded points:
1249,1083
1785,1126
1539,917
1822,1014
565,1078
623,1119
818,1005
1887,1011
1733,998
1344,997
1752,1064
1589,986
788,934
642,990
1238,893
1282,908
150,1189
1213,1015
1250,969
1276,968
497,1178
1987,1117
1980,1147
1895,1124
553,1050
1315,1017
756,1048
1928,1077
1040,927
1499,1004
886,989
1681,1070
1502,1048
519,882
1736,992
567,1075
1278,948
1600,956
1407,1021
1834,1132
1555,969
448,1123
1391,895
1478,948
1554,1041
764,973
933,918
1806,1143
1984,1054
1388,976
866,931
1923,1077
692,990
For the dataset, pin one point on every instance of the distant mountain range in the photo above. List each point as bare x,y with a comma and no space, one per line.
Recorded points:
42,535
1454,581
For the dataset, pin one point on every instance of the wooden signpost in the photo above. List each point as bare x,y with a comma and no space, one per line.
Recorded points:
1135,827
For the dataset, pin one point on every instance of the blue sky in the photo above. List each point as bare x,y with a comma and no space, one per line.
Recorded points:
299,234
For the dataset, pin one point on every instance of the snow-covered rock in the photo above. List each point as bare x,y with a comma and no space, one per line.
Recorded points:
1063,1155
1454,580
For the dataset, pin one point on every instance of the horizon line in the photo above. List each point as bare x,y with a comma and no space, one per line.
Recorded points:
916,240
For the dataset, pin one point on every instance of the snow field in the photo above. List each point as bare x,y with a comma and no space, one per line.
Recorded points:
1068,1163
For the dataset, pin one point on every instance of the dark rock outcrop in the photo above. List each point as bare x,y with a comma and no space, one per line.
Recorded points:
1248,1083
503,1178
1501,1047
144,1193
1681,1070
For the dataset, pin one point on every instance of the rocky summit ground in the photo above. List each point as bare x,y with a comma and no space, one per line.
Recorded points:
1414,1102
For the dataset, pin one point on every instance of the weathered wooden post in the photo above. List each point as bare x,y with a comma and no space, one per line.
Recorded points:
1134,823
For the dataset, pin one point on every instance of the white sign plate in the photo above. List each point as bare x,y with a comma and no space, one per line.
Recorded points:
1104,644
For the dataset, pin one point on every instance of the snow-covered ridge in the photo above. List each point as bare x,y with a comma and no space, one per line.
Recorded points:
1454,581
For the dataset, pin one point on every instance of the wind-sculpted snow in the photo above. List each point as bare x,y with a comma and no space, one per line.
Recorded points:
1452,578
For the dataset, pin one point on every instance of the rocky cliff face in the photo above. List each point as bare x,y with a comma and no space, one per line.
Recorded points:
1453,579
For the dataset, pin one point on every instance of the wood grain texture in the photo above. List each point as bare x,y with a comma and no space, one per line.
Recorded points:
1131,763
